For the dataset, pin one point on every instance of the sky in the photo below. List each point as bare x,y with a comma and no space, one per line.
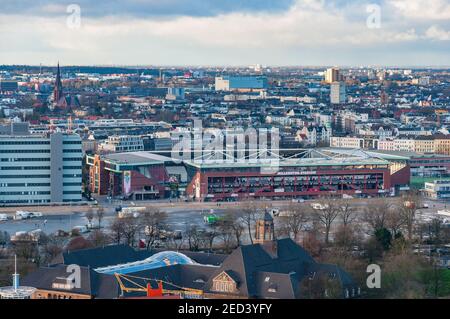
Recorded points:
226,32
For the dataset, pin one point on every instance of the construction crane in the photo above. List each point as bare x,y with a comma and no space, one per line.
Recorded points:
181,292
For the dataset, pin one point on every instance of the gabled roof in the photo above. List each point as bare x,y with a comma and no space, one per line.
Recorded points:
247,261
100,256
91,283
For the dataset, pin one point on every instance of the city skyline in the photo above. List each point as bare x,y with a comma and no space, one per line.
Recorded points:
199,32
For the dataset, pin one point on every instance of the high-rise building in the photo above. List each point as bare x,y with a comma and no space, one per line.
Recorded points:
37,169
332,75
338,93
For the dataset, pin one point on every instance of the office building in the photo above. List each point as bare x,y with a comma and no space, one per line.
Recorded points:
39,169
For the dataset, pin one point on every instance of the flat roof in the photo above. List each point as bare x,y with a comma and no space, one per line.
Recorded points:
136,158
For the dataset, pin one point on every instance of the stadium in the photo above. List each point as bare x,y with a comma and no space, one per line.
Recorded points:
299,173
306,174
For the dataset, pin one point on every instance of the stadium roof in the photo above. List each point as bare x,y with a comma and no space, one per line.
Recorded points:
283,162
136,158
385,155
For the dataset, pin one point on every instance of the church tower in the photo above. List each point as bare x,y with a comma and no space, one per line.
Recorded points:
265,232
58,90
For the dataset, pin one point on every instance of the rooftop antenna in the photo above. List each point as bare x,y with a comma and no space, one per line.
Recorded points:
15,275
16,291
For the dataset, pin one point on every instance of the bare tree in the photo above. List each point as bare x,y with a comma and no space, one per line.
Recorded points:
394,221
377,214
347,212
211,234
295,220
193,238
52,248
227,235
248,214
89,216
175,243
100,214
409,207
327,214
130,230
125,228
153,221
99,238
233,223
117,229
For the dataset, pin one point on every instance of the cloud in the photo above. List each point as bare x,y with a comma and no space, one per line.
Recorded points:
436,33
268,32
421,9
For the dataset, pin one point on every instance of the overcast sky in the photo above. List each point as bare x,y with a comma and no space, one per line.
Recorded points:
225,32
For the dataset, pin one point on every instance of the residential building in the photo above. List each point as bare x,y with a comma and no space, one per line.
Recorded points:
442,144
122,143
424,144
332,75
346,142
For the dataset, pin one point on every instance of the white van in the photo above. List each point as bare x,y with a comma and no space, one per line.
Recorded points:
20,214
3,217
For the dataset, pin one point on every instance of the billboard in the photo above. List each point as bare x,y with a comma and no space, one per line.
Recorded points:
127,182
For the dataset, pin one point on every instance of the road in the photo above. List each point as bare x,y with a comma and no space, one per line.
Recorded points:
179,214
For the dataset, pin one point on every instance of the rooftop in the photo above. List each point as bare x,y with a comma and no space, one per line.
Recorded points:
136,158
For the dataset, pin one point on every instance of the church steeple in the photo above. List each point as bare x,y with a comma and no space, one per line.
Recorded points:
58,90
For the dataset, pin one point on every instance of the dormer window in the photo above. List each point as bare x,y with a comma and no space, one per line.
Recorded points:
63,283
